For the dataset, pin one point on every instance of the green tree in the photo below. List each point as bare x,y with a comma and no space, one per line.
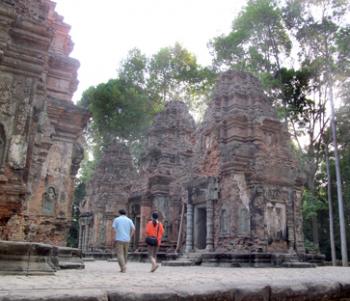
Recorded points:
134,68
317,26
175,74
79,195
119,109
258,42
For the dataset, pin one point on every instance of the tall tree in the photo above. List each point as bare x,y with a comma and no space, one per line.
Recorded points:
120,110
133,69
257,43
175,74
316,25
330,207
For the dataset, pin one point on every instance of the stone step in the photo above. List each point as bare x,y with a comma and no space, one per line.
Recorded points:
188,259
298,264
180,263
88,259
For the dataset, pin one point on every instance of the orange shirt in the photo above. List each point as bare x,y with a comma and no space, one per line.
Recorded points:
151,230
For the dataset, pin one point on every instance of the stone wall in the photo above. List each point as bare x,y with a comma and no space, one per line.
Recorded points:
40,128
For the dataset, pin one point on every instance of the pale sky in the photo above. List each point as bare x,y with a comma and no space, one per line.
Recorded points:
103,31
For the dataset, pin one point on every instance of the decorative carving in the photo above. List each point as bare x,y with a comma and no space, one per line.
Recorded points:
243,221
224,221
18,152
36,11
22,92
275,219
213,189
49,201
5,95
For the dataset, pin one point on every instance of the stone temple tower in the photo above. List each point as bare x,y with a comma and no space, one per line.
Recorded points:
165,166
41,143
245,196
106,193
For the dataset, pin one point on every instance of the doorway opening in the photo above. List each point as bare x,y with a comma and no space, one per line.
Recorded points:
200,229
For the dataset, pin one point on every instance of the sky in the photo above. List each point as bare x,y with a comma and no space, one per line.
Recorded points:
103,31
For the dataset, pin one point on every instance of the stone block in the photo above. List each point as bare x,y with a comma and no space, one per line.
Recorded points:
25,258
69,258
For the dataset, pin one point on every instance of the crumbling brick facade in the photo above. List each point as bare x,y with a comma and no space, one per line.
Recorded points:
40,127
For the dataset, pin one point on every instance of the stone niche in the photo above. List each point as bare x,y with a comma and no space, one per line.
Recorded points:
40,127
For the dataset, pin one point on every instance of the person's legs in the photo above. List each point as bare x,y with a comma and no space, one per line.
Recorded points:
152,250
125,251
151,256
120,255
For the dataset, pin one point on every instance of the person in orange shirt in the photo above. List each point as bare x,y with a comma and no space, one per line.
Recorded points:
155,230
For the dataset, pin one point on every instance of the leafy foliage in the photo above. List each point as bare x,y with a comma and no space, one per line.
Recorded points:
79,195
257,43
119,109
175,74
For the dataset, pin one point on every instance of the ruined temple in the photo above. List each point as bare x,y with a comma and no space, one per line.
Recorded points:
40,127
246,193
106,193
165,166
229,186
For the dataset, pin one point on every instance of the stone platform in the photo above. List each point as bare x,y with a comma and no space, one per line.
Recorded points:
101,281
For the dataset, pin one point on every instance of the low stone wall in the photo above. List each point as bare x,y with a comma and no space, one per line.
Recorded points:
217,259
26,258
69,258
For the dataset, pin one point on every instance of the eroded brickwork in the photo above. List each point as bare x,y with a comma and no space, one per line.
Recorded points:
40,128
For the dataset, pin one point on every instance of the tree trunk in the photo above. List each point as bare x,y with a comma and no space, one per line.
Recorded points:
344,251
330,208
314,218
315,236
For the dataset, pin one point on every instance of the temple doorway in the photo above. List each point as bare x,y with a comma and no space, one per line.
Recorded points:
200,227
136,218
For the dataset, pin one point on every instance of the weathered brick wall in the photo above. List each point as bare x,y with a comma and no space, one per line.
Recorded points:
39,125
